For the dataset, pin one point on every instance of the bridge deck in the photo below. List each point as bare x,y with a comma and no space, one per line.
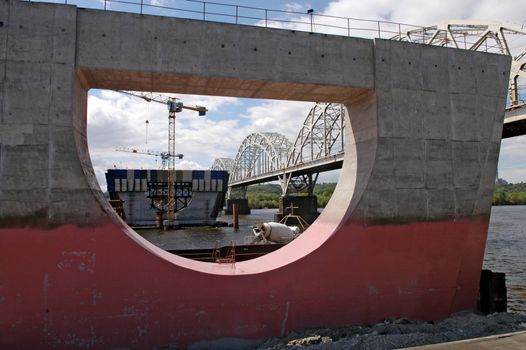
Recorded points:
515,122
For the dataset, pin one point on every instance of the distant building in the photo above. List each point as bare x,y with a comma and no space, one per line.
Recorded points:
501,181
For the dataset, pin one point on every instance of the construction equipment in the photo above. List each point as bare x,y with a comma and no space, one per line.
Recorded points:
174,107
163,155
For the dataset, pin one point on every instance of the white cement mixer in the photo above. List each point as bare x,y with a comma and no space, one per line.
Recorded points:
273,232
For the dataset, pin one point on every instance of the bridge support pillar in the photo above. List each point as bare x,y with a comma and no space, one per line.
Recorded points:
304,206
242,205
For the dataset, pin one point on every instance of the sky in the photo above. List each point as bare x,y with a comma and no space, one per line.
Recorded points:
116,120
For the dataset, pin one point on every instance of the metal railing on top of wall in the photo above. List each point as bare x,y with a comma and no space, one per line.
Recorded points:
308,21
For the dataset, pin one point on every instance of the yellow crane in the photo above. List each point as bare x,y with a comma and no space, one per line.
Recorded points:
174,106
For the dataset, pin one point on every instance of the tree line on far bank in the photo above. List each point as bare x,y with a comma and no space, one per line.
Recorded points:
509,194
267,195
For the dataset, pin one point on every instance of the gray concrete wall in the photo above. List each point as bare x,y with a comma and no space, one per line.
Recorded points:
427,140
129,51
42,120
426,121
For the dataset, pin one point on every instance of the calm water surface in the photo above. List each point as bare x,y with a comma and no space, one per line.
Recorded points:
505,248
208,237
505,251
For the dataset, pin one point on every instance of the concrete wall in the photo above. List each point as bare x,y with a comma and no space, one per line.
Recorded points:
436,138
404,234
127,51
43,120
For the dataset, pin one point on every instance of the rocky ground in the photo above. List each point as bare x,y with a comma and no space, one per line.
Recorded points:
401,333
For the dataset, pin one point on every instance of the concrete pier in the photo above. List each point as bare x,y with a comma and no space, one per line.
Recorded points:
304,206
403,235
242,205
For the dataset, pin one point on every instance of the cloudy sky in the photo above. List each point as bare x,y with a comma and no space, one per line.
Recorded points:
117,120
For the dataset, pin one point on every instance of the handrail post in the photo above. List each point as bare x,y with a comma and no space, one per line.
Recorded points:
311,26
141,5
348,27
237,12
204,11
379,35
400,31
266,18
105,4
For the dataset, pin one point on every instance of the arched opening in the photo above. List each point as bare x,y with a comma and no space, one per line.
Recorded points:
281,156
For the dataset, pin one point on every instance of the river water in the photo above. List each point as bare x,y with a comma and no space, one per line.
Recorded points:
505,251
505,248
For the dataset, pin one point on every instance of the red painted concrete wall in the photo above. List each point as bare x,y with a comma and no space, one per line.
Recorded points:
103,287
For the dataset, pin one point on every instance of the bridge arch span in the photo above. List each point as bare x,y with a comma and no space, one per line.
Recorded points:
223,164
321,135
259,153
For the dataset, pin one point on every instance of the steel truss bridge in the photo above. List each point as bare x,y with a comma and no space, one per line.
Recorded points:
269,156
319,145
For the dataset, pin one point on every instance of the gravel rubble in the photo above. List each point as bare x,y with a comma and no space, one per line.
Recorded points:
400,333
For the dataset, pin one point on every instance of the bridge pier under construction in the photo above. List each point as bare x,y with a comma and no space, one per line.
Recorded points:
306,207
403,235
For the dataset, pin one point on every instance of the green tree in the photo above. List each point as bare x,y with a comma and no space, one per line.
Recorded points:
499,198
509,194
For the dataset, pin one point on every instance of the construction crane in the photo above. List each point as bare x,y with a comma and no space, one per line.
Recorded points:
163,155
174,107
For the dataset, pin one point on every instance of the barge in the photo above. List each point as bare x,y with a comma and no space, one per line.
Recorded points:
199,195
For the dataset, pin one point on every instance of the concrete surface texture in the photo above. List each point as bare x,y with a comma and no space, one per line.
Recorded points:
509,341
403,236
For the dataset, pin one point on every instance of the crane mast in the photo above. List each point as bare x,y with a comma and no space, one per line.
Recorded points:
173,108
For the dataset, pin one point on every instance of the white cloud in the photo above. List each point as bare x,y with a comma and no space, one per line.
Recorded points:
429,12
513,175
284,117
159,2
297,7
512,160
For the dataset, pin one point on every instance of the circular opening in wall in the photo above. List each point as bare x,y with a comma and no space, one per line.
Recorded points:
215,179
